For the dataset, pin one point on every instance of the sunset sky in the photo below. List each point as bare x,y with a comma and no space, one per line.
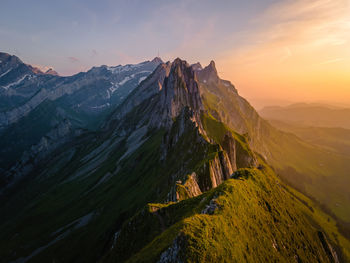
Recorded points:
273,51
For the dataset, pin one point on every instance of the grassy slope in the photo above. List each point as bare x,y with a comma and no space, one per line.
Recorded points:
256,213
321,174
55,203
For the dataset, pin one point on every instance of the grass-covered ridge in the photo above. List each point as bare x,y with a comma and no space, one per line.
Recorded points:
257,219
316,172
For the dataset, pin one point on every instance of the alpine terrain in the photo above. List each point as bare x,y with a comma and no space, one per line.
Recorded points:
159,162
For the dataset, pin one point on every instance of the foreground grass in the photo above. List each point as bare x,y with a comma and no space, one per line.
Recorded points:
258,219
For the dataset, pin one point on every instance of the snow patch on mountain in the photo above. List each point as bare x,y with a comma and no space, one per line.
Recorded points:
113,88
120,68
108,94
142,79
101,106
16,82
3,74
126,79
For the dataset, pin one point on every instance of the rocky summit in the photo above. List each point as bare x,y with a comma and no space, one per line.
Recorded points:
154,162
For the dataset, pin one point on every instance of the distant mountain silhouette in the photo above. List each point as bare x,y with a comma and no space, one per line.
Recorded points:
318,115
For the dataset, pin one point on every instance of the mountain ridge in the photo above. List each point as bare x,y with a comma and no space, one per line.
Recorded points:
317,115
172,148
82,101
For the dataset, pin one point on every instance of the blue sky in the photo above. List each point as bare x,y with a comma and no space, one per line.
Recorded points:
75,35
286,50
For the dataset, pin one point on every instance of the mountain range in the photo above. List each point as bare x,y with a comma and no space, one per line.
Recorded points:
332,139
317,115
39,109
175,167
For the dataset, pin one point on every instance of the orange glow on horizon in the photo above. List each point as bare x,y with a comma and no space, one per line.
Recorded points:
303,56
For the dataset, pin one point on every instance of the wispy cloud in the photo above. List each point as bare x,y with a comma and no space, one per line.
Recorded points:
331,61
179,32
301,24
73,59
94,53
285,46
287,54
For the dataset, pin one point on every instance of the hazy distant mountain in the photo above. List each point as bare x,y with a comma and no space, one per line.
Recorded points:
51,71
179,171
334,139
318,115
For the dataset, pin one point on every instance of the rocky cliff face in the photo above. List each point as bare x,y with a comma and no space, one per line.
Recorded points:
222,101
180,90
170,99
172,86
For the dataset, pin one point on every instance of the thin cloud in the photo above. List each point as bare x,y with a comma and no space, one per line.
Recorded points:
287,53
299,25
285,46
331,61
73,59
94,53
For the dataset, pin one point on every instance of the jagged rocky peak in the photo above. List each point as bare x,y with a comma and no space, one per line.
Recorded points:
7,58
212,66
181,90
147,88
51,71
157,60
8,62
209,74
173,86
35,69
197,66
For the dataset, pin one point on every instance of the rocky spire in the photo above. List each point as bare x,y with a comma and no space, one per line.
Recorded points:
172,88
209,73
157,60
197,66
181,90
